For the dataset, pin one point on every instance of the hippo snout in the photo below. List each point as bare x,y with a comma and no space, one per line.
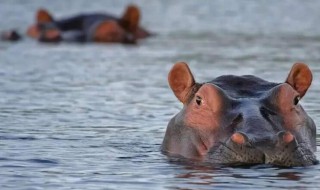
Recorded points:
264,142
282,149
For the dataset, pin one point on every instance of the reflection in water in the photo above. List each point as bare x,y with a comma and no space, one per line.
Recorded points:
199,175
295,176
205,176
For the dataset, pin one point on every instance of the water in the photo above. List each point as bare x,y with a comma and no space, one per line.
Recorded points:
93,116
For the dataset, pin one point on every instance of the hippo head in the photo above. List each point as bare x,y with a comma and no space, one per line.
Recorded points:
242,120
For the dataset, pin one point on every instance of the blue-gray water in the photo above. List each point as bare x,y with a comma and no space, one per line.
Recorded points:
93,116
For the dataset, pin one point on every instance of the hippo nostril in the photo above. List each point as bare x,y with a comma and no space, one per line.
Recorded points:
285,137
288,137
239,138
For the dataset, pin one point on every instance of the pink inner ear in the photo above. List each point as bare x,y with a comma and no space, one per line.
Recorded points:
43,16
302,83
300,78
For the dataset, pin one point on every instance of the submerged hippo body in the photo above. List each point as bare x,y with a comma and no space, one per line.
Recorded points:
242,120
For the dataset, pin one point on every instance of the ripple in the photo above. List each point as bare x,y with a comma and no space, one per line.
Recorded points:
43,161
24,138
93,116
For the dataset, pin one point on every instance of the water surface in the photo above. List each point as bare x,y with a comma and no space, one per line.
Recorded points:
93,116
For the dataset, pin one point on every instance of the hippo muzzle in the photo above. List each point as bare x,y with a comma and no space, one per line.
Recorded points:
282,150
242,120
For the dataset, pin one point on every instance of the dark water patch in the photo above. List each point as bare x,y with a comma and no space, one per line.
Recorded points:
65,139
24,138
43,161
4,159
13,166
23,162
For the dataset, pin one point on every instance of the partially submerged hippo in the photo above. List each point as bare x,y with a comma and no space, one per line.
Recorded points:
93,27
242,120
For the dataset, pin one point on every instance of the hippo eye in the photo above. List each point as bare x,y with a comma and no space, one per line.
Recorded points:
296,100
198,100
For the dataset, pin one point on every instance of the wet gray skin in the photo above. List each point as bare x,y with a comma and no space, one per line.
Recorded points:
242,120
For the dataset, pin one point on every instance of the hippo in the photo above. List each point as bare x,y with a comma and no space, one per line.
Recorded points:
96,27
241,120
103,32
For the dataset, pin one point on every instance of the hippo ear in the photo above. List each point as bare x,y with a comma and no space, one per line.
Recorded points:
181,81
43,16
300,78
130,19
